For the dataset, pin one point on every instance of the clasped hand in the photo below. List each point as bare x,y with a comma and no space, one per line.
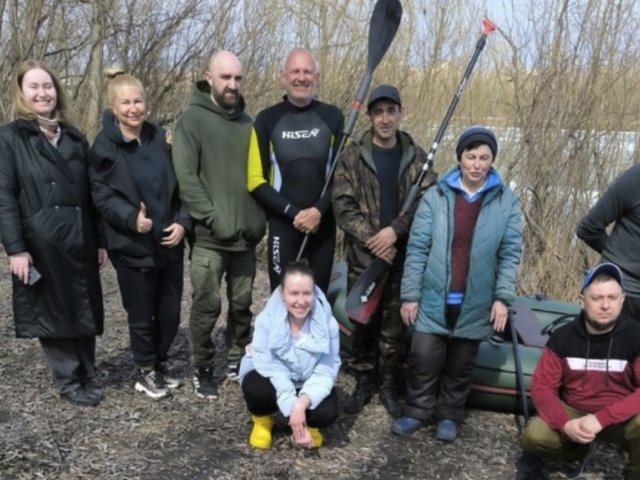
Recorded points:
382,244
583,429
308,220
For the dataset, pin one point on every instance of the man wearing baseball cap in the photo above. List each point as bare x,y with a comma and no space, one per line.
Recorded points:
371,180
586,385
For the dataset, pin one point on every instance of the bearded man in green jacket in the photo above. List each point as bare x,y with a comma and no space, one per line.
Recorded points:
209,152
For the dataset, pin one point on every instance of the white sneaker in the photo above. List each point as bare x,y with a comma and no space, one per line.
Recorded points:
152,384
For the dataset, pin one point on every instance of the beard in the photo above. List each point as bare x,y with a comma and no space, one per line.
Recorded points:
600,327
227,102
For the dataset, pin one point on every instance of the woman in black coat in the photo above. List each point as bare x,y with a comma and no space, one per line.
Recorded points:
134,187
48,233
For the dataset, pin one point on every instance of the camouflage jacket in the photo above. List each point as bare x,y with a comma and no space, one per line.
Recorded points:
356,197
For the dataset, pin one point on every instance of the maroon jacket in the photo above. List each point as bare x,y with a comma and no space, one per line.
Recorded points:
597,374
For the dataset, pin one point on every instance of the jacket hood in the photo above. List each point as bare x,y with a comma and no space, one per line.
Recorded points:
112,131
319,338
621,325
450,179
580,329
201,97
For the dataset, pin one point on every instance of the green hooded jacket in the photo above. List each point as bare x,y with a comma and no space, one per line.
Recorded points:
210,159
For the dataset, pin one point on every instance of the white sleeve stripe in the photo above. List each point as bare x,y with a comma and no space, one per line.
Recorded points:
596,365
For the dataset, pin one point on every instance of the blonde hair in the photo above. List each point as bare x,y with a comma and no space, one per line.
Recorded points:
20,107
117,78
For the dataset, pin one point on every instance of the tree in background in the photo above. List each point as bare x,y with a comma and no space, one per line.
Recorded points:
559,86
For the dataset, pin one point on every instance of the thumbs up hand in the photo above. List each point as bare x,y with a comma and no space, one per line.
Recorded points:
143,223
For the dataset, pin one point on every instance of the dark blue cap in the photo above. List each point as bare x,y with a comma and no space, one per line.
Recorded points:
604,268
477,133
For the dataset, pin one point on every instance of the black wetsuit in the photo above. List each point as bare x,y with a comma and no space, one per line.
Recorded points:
290,154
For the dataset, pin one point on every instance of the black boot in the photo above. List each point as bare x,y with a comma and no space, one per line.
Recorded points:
389,394
530,467
361,394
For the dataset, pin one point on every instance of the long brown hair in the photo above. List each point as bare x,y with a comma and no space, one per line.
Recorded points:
20,108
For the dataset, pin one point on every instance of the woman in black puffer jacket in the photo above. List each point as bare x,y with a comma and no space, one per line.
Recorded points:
49,234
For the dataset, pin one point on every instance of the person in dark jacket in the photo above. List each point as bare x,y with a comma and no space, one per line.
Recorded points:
619,205
371,183
586,385
135,190
48,231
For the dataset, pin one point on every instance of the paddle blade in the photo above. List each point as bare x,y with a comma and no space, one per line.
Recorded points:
488,26
385,21
365,295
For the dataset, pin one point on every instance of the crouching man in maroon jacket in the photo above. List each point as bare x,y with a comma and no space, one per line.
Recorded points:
587,382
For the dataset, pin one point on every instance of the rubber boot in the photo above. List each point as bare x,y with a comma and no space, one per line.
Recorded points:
362,394
316,437
260,436
388,394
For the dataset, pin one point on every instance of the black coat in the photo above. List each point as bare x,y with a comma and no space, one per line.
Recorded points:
45,210
118,198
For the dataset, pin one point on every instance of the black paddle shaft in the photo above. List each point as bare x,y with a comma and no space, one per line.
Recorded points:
518,367
371,277
384,24
488,27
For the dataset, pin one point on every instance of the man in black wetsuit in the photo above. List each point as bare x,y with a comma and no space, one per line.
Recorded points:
292,147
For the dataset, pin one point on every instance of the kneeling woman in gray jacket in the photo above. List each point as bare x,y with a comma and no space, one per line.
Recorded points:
293,361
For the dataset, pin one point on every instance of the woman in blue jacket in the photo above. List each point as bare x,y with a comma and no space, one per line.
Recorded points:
459,279
293,361
135,190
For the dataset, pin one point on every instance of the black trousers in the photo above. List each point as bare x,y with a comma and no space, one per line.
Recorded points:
260,396
72,361
439,376
151,298
284,243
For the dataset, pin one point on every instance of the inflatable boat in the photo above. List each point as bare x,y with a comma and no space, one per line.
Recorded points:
494,377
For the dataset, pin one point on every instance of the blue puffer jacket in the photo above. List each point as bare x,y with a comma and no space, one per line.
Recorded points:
311,366
493,262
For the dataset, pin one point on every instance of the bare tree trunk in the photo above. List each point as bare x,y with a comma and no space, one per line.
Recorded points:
94,79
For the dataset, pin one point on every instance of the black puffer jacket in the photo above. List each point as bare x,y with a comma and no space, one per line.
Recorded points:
45,210
118,197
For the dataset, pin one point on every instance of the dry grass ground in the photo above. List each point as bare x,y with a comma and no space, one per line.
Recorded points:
129,436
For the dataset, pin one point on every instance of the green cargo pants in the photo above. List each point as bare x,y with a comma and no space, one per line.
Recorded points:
540,440
208,266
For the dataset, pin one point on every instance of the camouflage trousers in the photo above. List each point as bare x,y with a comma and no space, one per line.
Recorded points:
381,344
